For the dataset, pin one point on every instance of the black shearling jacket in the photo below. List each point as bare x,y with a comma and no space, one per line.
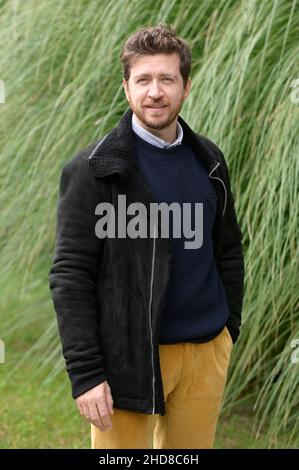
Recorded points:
109,293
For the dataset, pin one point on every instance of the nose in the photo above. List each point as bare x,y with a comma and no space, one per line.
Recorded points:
154,90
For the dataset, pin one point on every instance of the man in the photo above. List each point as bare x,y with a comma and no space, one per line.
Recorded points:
147,325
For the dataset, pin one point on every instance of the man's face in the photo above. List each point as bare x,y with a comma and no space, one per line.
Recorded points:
155,89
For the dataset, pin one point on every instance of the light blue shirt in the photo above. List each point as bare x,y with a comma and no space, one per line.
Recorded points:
153,139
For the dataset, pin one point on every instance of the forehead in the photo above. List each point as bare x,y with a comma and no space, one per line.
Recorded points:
155,64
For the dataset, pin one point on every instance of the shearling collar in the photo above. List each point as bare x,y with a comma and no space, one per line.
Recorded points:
116,153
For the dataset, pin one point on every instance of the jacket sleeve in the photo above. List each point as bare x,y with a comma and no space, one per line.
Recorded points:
72,276
231,262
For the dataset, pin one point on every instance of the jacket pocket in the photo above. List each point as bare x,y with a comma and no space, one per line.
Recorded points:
125,307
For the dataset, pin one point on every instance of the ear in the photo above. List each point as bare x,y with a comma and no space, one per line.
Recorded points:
188,87
125,85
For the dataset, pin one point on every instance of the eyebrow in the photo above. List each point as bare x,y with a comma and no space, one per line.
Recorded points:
161,75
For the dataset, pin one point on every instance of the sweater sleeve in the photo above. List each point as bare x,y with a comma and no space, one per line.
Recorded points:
73,275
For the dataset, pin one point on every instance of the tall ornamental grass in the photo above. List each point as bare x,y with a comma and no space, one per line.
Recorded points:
60,66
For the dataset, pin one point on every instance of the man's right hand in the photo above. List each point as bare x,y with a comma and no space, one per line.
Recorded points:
96,405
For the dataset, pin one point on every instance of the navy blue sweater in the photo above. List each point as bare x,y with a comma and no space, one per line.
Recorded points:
196,307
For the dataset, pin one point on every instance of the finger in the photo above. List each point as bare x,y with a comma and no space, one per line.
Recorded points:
95,416
109,400
86,412
80,408
104,414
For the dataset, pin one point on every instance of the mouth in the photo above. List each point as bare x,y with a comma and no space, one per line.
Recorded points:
156,107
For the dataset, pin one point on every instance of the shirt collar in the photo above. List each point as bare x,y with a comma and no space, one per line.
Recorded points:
153,139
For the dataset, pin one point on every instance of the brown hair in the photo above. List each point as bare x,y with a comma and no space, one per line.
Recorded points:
153,40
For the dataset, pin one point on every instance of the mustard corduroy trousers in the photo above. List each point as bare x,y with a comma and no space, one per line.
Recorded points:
194,377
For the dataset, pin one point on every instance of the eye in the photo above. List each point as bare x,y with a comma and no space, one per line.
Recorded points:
142,80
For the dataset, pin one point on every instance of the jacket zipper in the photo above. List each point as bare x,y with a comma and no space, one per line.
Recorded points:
219,179
150,313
